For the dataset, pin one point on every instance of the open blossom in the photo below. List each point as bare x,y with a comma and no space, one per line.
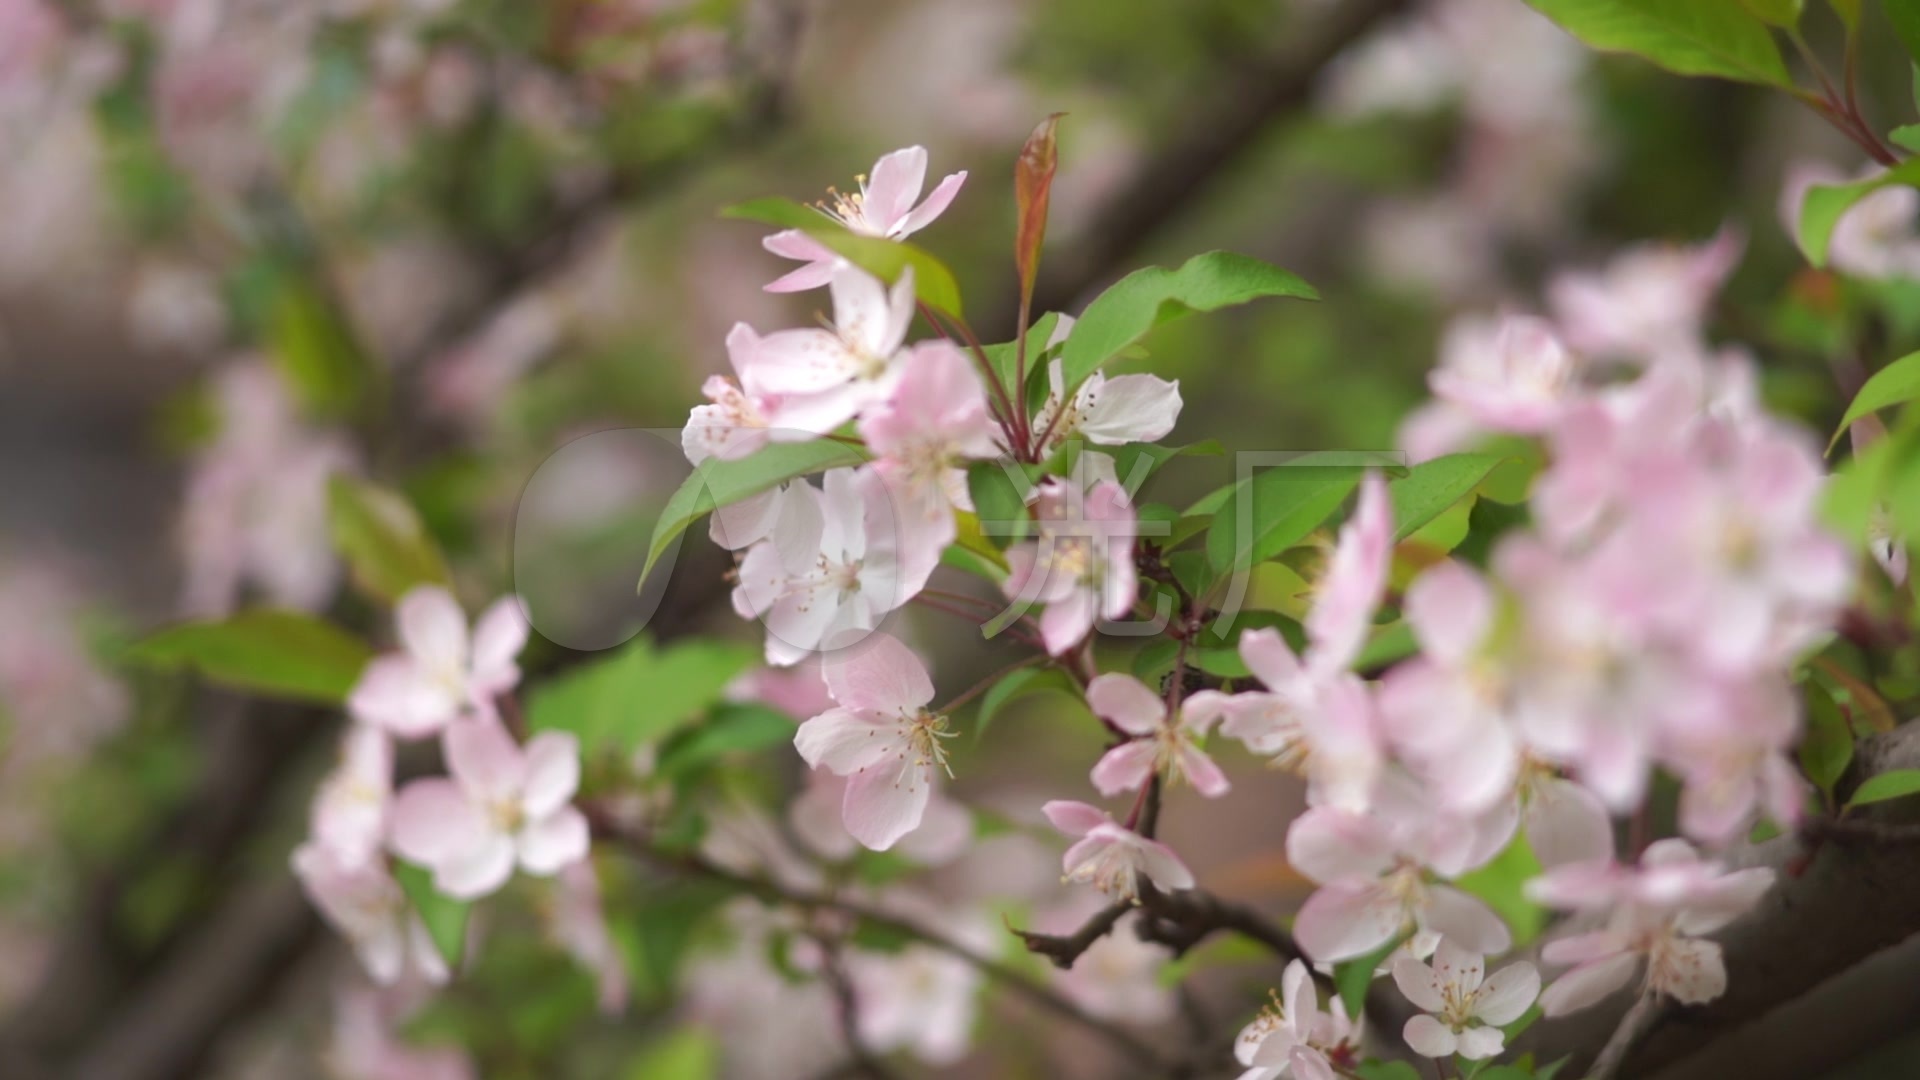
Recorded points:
933,423
831,566
1295,1038
1108,411
441,673
1648,301
1656,914
733,424
1506,374
1081,566
1315,716
1464,1009
1376,871
884,206
921,999
1112,857
503,804
1161,745
362,901
350,809
881,736
825,376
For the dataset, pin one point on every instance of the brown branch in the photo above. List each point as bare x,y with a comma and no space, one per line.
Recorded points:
1064,949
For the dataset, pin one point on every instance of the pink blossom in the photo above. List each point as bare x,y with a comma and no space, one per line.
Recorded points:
884,206
1462,1009
503,804
1118,976
1160,745
825,376
1655,913
881,737
1510,374
1875,238
364,903
1081,566
1111,857
1648,301
30,31
1729,744
933,423
734,423
579,923
799,691
441,673
1375,874
1295,1037
1108,411
921,1000
350,810
830,569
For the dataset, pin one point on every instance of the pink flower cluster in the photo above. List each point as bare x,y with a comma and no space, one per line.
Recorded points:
503,804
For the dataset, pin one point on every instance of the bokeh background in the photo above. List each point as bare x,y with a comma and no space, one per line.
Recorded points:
248,244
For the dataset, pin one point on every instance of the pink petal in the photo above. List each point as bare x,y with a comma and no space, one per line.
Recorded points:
894,186
552,772
1075,818
483,757
880,677
1347,919
1270,658
1588,984
1357,575
936,203
1125,768
1206,776
843,742
433,628
478,872
433,821
396,693
798,244
548,843
1163,866
1329,845
808,277
497,640
1127,703
1466,921
886,802
1429,1037
1066,621
1450,609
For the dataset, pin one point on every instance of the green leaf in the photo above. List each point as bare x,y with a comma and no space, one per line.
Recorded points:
1282,505
1144,299
1905,17
733,728
444,918
1895,384
1827,748
386,547
1351,979
280,653
689,1053
933,283
1826,204
715,483
1906,137
1013,686
637,695
1782,13
1004,359
1892,784
1502,882
1394,641
999,491
1848,11
1690,37
315,351
1431,487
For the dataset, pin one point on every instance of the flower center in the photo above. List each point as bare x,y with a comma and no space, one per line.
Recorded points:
925,732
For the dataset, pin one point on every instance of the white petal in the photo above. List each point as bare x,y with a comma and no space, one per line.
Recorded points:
843,742
1429,1037
1588,984
433,628
476,873
552,772
1419,983
1129,408
1480,1043
548,843
1507,994
1127,702
1466,920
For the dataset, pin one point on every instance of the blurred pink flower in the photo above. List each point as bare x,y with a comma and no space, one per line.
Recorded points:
441,674
349,815
367,1044
363,902
1648,302
1111,857
503,804
1295,1037
579,923
1081,566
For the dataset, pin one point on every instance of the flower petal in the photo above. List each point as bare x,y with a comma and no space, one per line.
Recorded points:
548,843
887,801
433,821
483,757
1347,919
1507,993
1126,767
879,676
1075,818
1429,1037
893,187
1588,984
1127,703
552,772
1420,983
843,742
433,628
936,203
478,872
1466,921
